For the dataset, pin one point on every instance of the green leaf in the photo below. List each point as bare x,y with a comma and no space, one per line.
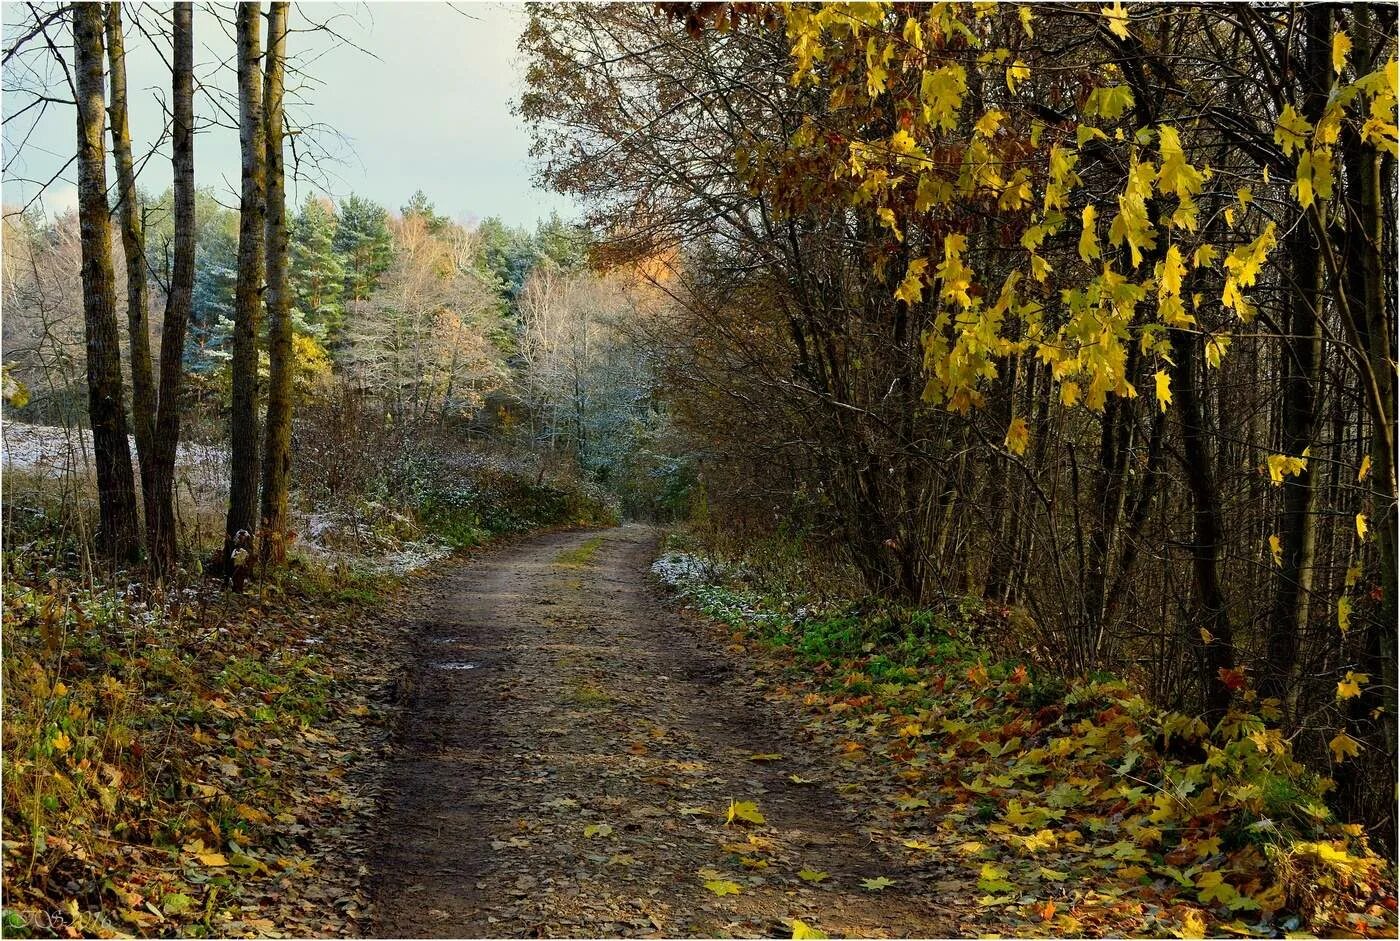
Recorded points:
176,903
722,887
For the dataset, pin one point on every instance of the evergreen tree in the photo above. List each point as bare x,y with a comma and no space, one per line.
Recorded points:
211,308
317,271
562,243
364,244
419,205
509,254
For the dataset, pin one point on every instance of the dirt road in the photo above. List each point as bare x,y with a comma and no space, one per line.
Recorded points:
569,747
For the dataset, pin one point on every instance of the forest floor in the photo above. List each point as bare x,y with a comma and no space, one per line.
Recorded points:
568,756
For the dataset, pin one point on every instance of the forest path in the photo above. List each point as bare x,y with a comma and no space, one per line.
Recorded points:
567,753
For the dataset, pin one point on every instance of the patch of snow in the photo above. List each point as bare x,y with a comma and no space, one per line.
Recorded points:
681,569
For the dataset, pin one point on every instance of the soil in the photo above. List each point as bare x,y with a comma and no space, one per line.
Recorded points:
569,745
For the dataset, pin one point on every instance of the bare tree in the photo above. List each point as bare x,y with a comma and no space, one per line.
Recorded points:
277,446
160,521
243,417
143,391
116,485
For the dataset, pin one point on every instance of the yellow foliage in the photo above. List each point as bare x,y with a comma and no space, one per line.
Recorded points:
1281,466
1018,436
1350,686
1164,389
1341,48
1088,238
911,289
1117,17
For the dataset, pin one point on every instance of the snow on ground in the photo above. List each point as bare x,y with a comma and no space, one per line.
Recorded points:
683,570
54,451
330,536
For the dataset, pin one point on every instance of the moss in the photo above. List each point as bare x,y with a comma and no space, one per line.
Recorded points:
581,554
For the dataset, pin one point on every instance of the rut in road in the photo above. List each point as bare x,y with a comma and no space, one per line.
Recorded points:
567,751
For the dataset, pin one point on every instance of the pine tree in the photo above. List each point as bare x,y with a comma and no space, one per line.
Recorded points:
419,205
363,242
317,273
216,271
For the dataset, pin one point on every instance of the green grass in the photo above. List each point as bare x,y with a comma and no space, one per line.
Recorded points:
581,554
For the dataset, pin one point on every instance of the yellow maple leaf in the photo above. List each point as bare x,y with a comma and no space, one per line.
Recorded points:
1088,238
1027,16
1164,389
1216,346
1018,436
1365,470
941,91
1016,73
988,123
1303,188
1350,686
1281,466
1276,549
1292,130
801,931
1361,526
911,289
1344,747
1117,17
1193,924
1341,47
1344,614
743,810
61,742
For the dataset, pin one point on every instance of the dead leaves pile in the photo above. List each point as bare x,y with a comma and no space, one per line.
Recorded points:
1079,809
187,762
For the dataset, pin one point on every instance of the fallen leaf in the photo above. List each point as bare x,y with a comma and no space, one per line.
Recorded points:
722,887
744,810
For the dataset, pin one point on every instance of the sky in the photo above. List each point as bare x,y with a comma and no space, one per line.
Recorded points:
424,102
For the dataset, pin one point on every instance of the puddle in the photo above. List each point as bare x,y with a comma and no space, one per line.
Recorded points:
456,665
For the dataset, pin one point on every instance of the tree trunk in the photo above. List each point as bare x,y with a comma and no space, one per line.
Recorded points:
1302,366
1208,530
277,444
161,529
243,417
1372,715
143,391
116,486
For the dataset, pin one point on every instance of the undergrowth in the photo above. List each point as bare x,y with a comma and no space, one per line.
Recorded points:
171,755
177,759
1074,805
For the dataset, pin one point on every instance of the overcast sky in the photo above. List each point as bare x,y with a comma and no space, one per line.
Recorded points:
426,105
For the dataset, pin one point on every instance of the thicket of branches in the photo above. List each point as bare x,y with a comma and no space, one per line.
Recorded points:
1084,311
